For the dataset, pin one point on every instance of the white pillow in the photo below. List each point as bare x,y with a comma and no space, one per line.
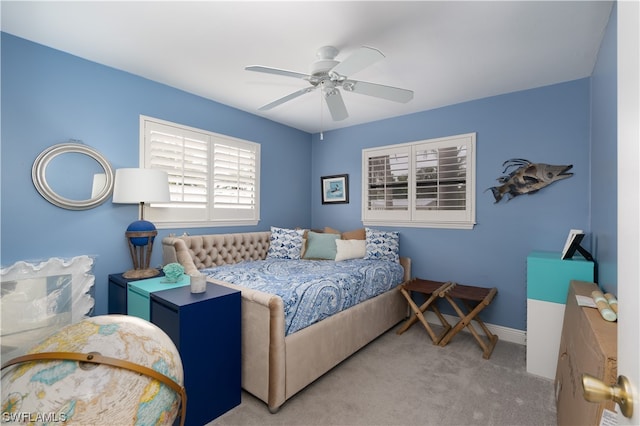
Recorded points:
350,249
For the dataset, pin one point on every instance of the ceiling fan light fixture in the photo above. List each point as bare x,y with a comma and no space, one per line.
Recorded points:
327,52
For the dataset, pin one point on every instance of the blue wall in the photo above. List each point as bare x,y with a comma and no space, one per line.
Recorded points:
547,125
604,165
49,97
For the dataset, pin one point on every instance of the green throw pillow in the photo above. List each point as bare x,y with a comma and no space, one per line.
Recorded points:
321,246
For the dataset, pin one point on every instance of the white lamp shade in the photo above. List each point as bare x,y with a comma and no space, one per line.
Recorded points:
134,186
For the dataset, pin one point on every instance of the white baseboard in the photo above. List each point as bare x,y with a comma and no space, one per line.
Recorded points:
504,333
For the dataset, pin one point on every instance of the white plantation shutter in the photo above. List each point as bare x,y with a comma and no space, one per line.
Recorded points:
184,155
213,179
235,169
440,178
423,184
387,184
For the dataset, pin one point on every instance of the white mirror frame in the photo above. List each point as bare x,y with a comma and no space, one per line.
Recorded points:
38,174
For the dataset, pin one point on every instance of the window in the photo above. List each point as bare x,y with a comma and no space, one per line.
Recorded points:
428,183
214,180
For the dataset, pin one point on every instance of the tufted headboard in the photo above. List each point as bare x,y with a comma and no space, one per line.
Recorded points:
203,251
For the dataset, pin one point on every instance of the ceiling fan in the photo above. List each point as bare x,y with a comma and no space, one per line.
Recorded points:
329,74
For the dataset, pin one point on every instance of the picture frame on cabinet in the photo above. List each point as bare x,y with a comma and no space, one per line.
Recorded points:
572,243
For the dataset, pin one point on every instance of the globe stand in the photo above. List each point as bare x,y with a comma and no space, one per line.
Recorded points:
141,254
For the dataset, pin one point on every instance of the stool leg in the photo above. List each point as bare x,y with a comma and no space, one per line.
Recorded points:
465,321
492,338
413,319
443,321
418,316
459,325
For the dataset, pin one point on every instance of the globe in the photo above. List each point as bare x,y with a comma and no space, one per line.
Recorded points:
141,226
72,392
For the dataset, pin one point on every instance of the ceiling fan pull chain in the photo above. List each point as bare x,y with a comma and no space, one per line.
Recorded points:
321,115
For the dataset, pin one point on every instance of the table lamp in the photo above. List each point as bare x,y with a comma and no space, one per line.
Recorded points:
139,186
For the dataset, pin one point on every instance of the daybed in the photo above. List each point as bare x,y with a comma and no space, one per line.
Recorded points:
276,366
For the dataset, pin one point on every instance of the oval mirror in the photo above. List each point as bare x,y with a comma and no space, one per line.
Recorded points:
73,176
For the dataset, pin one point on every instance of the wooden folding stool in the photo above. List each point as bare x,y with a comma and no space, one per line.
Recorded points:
469,294
434,290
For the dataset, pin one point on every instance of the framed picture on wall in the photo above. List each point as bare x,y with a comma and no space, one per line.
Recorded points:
335,189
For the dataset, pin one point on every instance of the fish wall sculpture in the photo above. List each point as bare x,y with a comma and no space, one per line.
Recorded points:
528,178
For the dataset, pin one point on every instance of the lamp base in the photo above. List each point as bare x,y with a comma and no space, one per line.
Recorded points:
140,246
141,273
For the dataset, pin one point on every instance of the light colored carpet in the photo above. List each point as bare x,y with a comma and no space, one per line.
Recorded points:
406,380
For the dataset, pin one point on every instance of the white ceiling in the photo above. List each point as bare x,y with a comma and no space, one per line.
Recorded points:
445,51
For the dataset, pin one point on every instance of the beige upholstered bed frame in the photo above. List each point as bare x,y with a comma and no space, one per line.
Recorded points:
274,366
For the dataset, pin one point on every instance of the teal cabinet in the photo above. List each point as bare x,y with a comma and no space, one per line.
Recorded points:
548,280
548,276
138,294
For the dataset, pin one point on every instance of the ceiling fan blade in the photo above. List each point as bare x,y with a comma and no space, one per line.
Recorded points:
286,98
378,90
277,71
336,105
358,61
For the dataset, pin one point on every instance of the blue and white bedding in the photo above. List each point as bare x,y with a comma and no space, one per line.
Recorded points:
312,290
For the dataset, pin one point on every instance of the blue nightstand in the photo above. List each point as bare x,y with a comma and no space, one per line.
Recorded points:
205,328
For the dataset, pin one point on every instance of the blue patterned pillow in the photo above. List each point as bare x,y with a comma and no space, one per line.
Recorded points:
285,243
382,245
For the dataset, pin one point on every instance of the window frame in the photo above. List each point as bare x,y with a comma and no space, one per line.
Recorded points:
412,216
180,215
